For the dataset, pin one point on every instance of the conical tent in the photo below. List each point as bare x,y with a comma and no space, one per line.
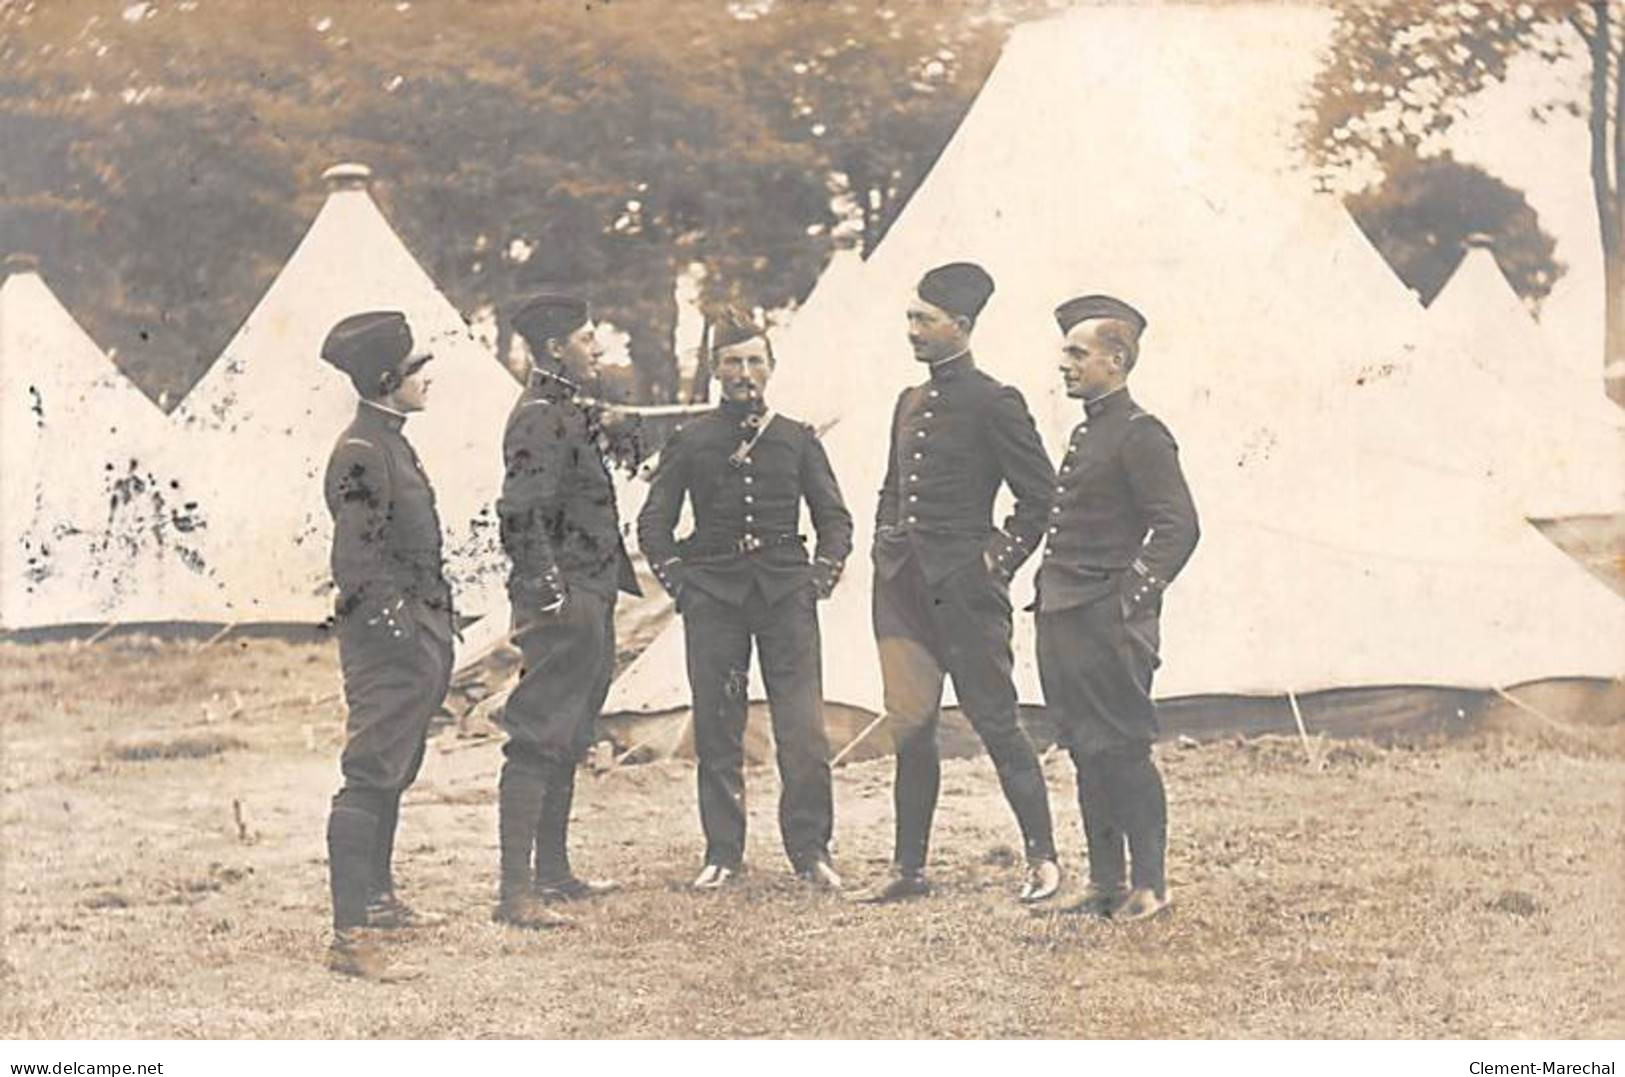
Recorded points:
98,520
1482,388
802,379
267,414
1172,182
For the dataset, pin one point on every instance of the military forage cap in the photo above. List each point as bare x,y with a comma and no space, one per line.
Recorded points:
733,327
367,346
548,316
961,288
1085,307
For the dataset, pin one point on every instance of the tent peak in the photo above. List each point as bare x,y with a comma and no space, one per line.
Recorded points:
348,176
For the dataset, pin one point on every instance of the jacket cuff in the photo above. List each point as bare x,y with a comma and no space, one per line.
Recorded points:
668,573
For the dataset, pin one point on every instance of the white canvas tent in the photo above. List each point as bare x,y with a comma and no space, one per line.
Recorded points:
803,378
97,516
1483,394
1171,181
265,418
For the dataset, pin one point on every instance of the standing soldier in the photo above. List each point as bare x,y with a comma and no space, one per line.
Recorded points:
742,577
942,575
394,621
562,533
1124,527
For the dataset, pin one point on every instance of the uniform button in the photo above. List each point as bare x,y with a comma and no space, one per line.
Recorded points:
749,479
933,394
913,497
919,433
929,415
1054,530
1055,510
913,519
1058,489
749,519
1065,468
919,456
913,478
749,499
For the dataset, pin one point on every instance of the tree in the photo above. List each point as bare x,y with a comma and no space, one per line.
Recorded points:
161,158
1398,68
1426,210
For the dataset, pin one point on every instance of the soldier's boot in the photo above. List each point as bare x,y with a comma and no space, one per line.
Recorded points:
520,793
1108,863
1022,780
900,884
555,881
352,828
388,911
359,952
1144,811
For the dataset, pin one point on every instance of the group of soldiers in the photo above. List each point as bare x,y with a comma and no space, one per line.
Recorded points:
1116,524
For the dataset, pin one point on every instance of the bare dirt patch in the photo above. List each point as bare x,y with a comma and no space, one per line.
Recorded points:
1466,889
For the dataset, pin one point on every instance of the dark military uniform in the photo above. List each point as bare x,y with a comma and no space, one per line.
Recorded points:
937,607
1123,526
744,576
561,530
394,622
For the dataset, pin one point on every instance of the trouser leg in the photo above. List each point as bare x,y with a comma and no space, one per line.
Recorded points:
1142,806
352,828
1102,832
553,830
718,646
973,614
911,673
521,790
788,641
394,680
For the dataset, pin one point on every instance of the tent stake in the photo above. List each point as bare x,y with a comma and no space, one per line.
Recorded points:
1303,732
220,635
855,741
682,727
1552,723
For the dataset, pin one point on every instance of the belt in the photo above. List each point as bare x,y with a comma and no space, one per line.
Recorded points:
744,544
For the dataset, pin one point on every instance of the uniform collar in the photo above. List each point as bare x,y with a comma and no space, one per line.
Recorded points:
952,367
551,386
1107,403
736,412
379,415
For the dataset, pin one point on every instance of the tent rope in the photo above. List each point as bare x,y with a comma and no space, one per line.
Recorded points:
1303,730
855,741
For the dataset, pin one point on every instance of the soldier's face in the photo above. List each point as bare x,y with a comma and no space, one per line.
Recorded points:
933,333
579,352
742,369
412,394
1089,365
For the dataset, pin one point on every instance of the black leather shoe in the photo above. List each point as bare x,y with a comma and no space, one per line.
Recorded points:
574,889
1094,900
358,952
820,876
899,885
528,912
715,877
388,912
1142,903
1043,880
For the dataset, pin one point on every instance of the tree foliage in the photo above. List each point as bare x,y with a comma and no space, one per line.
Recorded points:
1400,70
162,157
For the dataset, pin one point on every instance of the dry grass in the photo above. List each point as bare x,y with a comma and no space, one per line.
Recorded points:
1471,889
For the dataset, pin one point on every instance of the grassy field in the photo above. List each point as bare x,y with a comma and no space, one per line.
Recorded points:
164,876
